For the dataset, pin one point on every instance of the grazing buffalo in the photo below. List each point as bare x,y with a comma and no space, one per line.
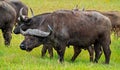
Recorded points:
9,18
65,27
17,5
7,21
28,41
31,42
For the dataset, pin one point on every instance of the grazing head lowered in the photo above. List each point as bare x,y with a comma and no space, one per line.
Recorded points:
63,27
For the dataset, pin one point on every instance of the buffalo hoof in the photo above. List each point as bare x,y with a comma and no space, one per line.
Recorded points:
61,62
72,60
7,44
95,61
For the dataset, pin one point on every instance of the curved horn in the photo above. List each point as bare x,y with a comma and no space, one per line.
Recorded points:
21,11
35,32
32,12
22,17
51,30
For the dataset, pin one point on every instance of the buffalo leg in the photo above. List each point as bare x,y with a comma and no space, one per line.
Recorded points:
91,52
98,52
50,51
77,50
7,30
107,53
60,51
7,36
105,42
44,50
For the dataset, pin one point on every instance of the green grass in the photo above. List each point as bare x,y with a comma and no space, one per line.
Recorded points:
13,58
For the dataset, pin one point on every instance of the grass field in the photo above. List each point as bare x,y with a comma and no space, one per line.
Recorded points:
13,58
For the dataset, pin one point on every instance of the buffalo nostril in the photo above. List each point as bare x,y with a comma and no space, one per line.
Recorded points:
22,46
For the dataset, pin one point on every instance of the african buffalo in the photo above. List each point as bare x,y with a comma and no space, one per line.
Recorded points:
63,27
28,41
17,31
17,5
9,17
7,21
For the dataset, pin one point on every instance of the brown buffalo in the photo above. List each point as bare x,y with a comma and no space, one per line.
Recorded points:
63,27
17,5
7,21
46,46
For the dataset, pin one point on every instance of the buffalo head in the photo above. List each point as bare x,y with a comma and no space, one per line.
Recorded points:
34,38
23,20
30,42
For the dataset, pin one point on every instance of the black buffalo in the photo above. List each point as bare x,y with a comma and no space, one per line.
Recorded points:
28,39
64,27
17,5
9,13
32,42
7,21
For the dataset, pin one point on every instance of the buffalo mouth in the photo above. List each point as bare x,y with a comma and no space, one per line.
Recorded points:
28,49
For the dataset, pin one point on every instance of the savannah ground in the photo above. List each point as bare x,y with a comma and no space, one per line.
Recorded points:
13,58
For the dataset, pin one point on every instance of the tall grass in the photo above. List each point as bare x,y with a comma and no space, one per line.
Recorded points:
13,58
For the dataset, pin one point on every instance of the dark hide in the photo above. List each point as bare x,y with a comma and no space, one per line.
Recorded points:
80,29
32,42
17,5
28,41
7,20
40,19
114,16
115,20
